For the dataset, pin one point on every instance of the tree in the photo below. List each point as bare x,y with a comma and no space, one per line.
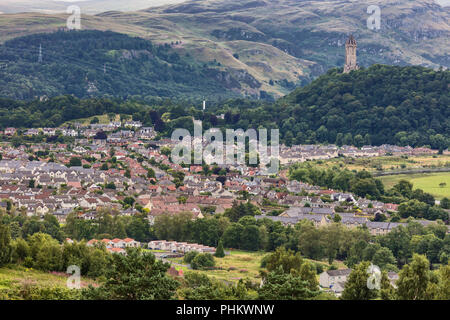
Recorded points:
308,274
188,257
414,279
49,257
443,288
387,291
356,287
95,120
399,242
250,238
283,259
21,250
309,241
5,245
237,211
219,250
203,261
199,286
135,276
101,135
75,162
404,188
445,203
232,236
150,173
278,285
384,259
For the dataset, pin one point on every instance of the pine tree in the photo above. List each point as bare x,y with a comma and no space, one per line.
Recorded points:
219,251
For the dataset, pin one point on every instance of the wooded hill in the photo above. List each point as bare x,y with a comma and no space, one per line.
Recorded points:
378,105
95,63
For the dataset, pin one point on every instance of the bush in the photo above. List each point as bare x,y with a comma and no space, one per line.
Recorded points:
203,261
319,268
190,256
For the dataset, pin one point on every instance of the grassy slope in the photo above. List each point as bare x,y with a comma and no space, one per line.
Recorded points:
17,275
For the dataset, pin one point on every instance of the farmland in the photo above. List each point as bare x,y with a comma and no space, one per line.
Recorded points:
387,163
438,184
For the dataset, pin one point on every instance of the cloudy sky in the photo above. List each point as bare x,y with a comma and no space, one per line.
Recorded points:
95,6
87,6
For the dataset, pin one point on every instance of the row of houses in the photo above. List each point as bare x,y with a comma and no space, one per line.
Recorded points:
348,220
183,247
116,243
301,153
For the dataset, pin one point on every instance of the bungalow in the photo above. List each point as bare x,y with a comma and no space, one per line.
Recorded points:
117,251
131,243
32,132
10,131
49,131
133,124
334,279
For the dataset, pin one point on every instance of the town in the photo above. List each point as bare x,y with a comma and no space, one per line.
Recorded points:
126,169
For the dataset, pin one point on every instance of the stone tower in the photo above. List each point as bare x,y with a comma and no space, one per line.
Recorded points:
350,55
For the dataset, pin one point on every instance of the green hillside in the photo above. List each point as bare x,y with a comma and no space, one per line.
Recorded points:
95,63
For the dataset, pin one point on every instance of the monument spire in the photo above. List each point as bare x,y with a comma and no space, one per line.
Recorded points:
350,55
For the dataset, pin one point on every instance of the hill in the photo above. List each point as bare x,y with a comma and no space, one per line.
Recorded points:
274,45
377,105
96,63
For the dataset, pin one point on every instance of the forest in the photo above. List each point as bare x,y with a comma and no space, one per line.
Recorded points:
98,64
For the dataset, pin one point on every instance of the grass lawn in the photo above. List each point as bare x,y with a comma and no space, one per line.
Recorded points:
428,182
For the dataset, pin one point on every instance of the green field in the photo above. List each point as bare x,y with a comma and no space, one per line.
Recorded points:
387,163
428,182
103,119
240,264
236,265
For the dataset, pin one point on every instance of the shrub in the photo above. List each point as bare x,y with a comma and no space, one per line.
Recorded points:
203,261
190,256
